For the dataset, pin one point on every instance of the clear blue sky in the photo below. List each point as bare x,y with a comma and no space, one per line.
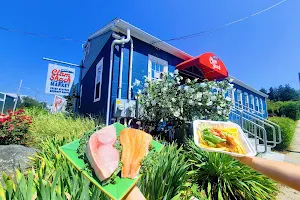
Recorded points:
261,51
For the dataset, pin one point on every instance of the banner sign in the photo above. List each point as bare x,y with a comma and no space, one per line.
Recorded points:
59,104
59,79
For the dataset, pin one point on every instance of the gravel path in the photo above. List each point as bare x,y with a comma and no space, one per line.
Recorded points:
292,157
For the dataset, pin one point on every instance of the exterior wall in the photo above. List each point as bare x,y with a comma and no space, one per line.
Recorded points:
243,90
6,103
139,66
88,106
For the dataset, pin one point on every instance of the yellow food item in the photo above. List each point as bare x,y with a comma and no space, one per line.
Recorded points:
230,134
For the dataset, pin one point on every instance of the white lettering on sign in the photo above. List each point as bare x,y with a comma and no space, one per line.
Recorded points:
214,62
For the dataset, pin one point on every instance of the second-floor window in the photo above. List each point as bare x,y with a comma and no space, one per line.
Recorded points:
98,80
156,67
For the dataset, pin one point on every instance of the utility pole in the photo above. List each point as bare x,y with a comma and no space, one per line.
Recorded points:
18,95
37,91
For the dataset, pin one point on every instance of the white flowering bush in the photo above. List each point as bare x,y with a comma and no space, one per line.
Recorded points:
177,101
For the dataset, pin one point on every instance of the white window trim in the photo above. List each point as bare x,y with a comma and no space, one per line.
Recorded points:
80,96
257,103
240,98
157,60
233,97
247,101
99,64
261,106
252,102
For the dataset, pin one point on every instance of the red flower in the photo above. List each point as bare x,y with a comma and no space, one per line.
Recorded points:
10,129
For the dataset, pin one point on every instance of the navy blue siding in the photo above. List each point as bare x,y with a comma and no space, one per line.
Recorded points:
96,46
139,65
88,82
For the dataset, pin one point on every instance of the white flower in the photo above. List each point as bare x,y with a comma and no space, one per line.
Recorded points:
224,112
176,113
186,88
230,80
231,85
191,102
176,71
209,103
136,82
163,89
153,102
199,104
213,98
188,80
202,85
171,74
228,99
173,99
145,85
199,95
219,112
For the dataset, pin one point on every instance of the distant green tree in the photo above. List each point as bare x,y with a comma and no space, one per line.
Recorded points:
71,99
263,90
27,102
283,93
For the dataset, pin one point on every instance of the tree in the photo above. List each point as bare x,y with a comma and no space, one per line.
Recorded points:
283,93
263,90
71,99
28,102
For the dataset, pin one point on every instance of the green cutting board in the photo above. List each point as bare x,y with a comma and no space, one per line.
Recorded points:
114,191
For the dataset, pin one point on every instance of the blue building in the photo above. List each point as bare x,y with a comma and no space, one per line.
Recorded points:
119,53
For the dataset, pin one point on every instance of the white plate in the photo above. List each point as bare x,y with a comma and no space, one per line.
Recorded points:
250,151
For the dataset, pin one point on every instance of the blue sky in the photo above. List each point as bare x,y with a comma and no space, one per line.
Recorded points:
261,51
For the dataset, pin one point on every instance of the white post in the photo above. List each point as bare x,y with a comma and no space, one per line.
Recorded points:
18,95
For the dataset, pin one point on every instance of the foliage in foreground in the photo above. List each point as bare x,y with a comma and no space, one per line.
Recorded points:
167,176
288,127
222,177
45,125
14,127
53,178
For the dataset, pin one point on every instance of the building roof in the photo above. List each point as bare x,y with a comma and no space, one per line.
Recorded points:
119,25
241,83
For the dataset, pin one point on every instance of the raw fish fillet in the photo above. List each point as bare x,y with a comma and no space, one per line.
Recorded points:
135,146
102,155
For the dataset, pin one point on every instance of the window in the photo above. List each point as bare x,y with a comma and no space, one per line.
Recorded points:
156,67
261,106
240,99
230,94
256,104
251,102
80,96
98,80
246,101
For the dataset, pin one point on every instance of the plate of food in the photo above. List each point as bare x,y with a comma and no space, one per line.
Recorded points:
225,137
112,157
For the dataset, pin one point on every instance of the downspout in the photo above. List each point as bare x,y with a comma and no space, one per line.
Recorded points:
116,41
121,72
130,70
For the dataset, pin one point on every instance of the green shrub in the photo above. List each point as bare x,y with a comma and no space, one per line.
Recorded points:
290,110
167,176
288,127
46,125
14,127
223,177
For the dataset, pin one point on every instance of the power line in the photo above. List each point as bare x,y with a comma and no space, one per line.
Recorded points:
41,35
220,27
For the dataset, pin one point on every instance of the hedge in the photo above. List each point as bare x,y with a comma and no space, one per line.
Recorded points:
288,127
290,109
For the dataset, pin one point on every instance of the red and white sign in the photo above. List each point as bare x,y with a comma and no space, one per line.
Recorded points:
59,79
59,104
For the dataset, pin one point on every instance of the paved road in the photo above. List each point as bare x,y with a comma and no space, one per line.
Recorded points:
291,157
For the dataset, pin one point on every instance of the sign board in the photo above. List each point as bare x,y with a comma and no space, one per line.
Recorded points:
59,79
59,104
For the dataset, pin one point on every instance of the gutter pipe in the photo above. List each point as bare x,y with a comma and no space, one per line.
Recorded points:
116,41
